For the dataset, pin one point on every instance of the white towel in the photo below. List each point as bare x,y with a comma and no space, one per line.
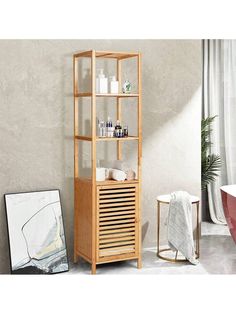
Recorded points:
118,175
179,229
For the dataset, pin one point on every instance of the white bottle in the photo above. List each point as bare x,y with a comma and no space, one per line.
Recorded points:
114,85
102,129
101,83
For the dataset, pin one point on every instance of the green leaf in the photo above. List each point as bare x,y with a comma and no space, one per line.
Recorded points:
211,163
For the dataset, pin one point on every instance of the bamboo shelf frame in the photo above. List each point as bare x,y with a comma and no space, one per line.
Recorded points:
107,95
107,215
106,54
101,139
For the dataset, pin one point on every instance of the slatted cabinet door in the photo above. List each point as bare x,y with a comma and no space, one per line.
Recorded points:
117,225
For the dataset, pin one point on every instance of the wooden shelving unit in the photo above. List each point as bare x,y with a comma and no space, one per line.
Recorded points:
107,226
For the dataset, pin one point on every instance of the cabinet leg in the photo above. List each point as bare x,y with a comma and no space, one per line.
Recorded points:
93,270
139,263
76,258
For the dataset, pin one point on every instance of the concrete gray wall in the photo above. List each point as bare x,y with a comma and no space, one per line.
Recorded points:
36,122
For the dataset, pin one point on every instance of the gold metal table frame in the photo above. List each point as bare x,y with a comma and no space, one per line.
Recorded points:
160,251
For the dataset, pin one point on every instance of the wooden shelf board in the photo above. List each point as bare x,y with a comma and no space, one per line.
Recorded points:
110,182
115,55
117,95
129,138
107,182
102,139
83,95
107,54
83,54
83,138
120,95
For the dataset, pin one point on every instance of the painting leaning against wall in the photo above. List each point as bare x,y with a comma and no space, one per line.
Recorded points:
36,233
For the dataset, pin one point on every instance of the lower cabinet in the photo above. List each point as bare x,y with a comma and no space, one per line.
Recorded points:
117,222
107,225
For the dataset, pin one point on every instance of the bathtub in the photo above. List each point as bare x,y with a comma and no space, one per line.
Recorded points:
228,195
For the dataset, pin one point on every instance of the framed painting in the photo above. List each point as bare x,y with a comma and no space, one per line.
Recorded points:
36,233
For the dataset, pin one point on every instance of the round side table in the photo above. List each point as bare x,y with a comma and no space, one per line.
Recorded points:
165,199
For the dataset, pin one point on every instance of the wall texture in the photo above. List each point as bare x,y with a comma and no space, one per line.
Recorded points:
36,122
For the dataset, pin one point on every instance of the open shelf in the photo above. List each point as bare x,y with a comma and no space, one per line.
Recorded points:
107,182
101,139
110,182
117,95
129,138
120,95
107,54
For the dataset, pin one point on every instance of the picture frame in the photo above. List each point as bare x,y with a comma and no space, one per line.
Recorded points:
35,227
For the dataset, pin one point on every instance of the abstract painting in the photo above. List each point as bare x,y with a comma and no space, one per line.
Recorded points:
36,233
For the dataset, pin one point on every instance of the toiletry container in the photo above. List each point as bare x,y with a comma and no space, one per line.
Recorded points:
109,127
118,126
109,122
102,129
111,132
126,131
114,85
126,88
101,83
118,129
102,174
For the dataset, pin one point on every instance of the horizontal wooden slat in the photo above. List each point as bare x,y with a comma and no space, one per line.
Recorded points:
117,217
124,221
120,230
116,195
117,213
111,191
115,244
116,200
112,240
117,226
124,256
115,235
116,205
106,210
118,250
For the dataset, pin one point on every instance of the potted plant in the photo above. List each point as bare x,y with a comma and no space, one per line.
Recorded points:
210,163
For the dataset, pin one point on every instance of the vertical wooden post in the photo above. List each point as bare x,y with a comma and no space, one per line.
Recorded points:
198,232
76,116
139,158
93,151
76,164
139,118
158,227
118,107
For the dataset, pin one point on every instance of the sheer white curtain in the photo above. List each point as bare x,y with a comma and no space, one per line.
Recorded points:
219,98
